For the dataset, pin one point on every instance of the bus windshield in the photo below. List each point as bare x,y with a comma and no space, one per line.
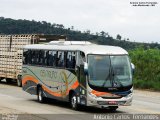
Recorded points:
109,71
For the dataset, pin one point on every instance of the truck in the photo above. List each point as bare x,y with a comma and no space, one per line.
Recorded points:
11,53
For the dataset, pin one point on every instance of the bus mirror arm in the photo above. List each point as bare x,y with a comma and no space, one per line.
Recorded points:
85,68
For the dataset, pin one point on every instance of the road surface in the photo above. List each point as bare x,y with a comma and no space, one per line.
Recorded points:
15,101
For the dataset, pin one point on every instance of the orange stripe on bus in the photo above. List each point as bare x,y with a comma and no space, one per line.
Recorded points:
51,92
97,93
29,78
75,85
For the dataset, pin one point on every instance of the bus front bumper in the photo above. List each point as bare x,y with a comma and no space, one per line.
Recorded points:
104,103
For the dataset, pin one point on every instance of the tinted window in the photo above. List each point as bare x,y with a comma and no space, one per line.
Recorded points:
41,58
50,58
71,60
60,59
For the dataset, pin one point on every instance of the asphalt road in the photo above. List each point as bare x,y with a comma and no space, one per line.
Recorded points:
15,101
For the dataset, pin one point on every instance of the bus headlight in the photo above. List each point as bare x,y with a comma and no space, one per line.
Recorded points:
129,96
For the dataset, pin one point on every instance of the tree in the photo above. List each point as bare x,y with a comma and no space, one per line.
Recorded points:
118,37
103,33
72,27
11,26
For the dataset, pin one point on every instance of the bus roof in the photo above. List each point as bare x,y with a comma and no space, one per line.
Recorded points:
86,47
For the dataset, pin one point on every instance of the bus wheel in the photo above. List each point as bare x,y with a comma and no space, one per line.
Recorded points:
40,95
113,108
73,101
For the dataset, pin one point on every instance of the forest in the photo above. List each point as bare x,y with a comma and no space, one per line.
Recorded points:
147,71
11,26
145,56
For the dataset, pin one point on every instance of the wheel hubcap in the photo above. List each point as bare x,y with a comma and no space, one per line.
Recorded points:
40,96
74,101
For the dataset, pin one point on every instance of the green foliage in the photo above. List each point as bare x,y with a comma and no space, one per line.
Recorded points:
145,56
11,26
147,62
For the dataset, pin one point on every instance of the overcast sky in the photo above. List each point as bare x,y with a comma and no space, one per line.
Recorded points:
112,16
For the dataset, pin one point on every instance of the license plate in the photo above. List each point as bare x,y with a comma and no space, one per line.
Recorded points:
112,103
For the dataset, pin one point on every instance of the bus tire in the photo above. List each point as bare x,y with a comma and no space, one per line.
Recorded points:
113,108
19,81
40,95
73,101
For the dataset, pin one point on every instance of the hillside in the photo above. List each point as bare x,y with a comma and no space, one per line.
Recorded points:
11,26
145,56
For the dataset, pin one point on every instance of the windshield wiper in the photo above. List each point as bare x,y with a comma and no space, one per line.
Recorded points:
108,77
106,80
115,77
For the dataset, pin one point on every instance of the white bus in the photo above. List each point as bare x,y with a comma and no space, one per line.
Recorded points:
81,73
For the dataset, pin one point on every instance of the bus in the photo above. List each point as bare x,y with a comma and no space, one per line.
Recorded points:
79,72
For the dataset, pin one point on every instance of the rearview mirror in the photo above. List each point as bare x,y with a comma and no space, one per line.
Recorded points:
133,68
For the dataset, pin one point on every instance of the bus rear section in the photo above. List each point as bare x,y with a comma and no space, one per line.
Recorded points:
79,74
11,53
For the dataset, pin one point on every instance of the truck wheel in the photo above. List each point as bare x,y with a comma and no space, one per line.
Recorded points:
19,81
40,95
73,102
1,78
8,80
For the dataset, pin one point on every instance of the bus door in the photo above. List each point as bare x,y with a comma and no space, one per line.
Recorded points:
82,79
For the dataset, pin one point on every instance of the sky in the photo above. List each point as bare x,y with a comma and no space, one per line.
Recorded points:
140,24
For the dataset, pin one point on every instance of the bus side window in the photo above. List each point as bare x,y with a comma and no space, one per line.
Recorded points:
56,59
68,60
29,58
51,58
40,58
47,58
44,58
35,57
54,53
82,57
71,60
60,59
